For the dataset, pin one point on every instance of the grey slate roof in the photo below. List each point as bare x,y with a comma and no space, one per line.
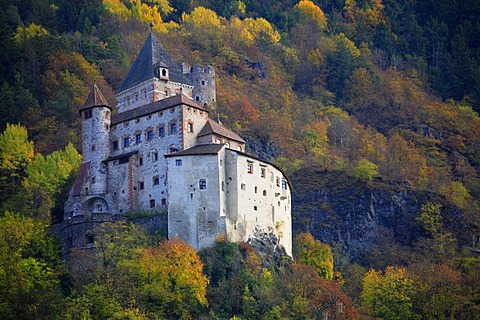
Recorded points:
155,107
202,149
216,128
152,53
95,99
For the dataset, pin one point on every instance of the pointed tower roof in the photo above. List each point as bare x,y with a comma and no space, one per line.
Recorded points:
95,99
152,54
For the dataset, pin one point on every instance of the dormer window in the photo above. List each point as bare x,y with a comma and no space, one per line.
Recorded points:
161,70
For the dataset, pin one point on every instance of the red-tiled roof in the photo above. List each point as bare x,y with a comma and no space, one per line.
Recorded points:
155,107
82,174
212,127
95,99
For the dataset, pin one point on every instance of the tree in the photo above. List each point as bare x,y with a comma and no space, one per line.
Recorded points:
28,269
389,295
365,170
172,278
307,250
312,11
16,153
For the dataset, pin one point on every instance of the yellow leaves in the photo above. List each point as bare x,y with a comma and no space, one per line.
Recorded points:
309,9
16,151
172,276
261,30
342,40
31,31
456,192
201,18
142,11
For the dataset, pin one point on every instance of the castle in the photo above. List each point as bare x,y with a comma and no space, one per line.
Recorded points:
158,151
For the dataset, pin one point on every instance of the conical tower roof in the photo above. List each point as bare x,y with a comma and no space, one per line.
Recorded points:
152,54
95,99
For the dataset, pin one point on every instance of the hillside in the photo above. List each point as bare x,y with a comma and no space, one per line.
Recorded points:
371,107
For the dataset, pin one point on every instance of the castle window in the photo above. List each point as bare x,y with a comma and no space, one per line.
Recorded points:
255,208
284,184
138,138
277,182
87,114
190,127
197,98
250,167
178,162
264,193
263,172
126,142
99,208
152,203
173,128
218,141
223,185
149,135
239,148
93,180
136,96
144,93
154,156
256,189
167,93
156,180
164,201
202,184
141,185
227,144
203,82
93,148
161,131
140,161
90,239
242,186
164,73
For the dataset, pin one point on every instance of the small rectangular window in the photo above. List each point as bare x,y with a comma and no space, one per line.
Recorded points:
277,182
202,184
164,201
284,184
149,135
173,128
154,156
126,142
263,172
250,167
190,127
141,185
140,161
115,145
138,138
161,132
152,203
242,186
156,181
178,162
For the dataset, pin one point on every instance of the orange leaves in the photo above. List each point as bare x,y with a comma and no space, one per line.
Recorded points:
172,277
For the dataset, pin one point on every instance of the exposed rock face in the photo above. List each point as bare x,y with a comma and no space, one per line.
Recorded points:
339,210
265,148
271,253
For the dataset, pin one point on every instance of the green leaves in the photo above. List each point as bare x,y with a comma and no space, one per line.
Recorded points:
309,251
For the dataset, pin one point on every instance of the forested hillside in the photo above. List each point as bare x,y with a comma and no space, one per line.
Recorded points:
370,106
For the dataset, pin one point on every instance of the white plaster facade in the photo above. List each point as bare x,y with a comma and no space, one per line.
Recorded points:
162,152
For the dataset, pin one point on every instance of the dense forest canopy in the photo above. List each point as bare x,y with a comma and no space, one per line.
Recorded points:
377,93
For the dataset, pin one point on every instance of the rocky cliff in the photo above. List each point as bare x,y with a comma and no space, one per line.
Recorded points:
358,218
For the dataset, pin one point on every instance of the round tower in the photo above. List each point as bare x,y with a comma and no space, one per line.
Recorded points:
96,115
203,79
